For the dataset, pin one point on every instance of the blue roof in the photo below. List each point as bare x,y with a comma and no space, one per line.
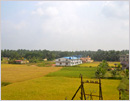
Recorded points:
71,57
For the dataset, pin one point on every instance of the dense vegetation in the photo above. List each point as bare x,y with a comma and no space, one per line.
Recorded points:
39,55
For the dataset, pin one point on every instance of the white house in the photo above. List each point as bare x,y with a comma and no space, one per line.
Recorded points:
68,61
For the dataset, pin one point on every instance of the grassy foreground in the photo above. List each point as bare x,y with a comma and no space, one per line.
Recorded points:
55,88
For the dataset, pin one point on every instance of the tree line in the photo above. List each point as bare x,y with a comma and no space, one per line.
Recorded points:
39,55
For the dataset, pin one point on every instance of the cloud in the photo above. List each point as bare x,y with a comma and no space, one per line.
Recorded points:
52,11
20,25
40,3
69,26
116,9
49,11
38,11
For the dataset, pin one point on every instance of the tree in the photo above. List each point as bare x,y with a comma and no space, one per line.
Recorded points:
113,73
101,69
100,72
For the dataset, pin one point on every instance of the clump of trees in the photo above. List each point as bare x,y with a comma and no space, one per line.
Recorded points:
39,55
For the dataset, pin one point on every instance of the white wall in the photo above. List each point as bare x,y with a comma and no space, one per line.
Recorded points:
67,62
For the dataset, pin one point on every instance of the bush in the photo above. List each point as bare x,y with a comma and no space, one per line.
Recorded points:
113,73
124,84
5,83
12,61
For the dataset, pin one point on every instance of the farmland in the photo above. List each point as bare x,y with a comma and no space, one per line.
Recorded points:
94,64
30,82
16,73
74,72
55,88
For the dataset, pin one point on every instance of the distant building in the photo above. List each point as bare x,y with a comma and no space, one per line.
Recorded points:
86,59
21,61
5,58
124,60
45,59
68,61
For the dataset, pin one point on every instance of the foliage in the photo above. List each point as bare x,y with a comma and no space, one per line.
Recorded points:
124,84
101,70
5,83
4,61
114,72
39,55
127,73
104,64
46,64
12,61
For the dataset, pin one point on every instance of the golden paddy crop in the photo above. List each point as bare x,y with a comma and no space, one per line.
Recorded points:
56,88
95,64
34,85
15,73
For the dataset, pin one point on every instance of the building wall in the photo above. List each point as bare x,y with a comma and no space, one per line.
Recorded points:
124,59
67,62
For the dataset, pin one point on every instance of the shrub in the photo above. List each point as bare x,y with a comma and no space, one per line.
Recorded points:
124,84
113,73
5,83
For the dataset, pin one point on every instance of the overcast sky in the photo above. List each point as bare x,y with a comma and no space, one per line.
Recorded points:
65,25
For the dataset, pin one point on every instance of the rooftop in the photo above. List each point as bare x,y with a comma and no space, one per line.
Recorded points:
71,57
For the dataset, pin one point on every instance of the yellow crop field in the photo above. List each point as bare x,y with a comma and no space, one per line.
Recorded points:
29,82
56,88
94,64
15,73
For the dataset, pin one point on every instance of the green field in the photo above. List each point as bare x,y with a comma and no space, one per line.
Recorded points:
51,83
88,72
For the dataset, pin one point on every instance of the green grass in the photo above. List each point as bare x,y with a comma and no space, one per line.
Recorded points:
74,72
56,88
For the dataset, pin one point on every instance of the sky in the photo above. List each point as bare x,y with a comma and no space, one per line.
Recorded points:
65,25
